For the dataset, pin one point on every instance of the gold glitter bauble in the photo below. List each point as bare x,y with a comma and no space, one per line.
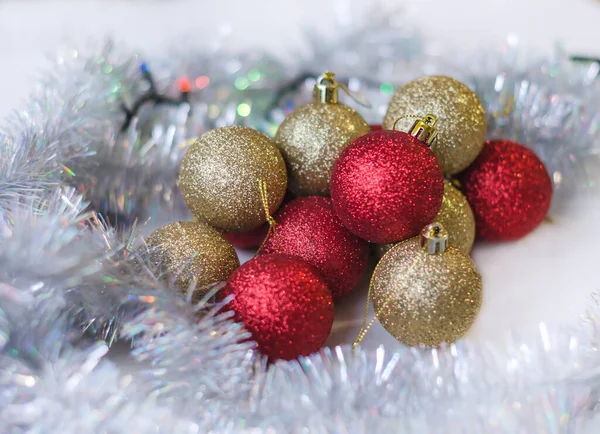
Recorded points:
193,253
461,122
220,173
455,215
311,139
423,298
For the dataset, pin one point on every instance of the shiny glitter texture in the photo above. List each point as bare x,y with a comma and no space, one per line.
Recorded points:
193,253
461,118
455,215
423,298
386,186
309,229
248,240
284,302
509,189
220,173
311,138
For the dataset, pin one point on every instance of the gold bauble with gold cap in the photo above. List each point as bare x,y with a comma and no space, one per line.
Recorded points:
425,291
312,137
461,118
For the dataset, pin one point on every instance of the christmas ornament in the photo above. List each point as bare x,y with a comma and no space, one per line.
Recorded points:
284,302
455,215
387,185
248,240
312,137
424,291
220,173
462,122
509,189
192,253
308,228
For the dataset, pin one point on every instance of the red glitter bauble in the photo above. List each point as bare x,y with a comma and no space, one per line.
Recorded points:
309,229
284,302
386,186
248,240
509,190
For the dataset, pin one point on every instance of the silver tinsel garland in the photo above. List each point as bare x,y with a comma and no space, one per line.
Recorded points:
51,371
69,282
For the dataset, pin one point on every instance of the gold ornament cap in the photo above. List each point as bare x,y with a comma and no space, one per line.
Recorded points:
434,239
424,129
326,90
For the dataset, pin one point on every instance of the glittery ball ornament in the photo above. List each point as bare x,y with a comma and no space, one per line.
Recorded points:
248,240
192,253
312,137
308,228
220,175
386,186
462,122
509,189
426,292
455,215
285,304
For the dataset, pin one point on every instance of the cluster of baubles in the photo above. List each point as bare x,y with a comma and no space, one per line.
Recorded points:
420,190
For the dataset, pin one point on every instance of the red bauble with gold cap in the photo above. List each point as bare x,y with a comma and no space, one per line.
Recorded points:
387,185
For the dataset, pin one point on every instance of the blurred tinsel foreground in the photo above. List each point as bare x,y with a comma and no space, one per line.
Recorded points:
96,154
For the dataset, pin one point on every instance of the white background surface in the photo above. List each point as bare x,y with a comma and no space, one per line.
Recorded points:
548,276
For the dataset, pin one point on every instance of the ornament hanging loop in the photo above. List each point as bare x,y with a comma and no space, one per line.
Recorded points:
264,197
434,239
423,129
326,91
